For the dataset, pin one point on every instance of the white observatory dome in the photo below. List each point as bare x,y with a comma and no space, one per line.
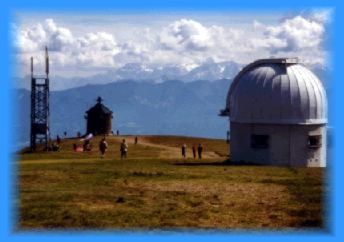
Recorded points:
278,91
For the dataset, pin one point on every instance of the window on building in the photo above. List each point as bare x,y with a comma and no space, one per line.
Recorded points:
314,141
259,141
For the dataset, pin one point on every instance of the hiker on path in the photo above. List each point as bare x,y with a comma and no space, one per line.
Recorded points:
58,140
103,147
200,150
194,151
136,139
184,150
87,145
124,149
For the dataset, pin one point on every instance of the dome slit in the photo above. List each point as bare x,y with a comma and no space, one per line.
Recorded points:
310,94
297,104
316,94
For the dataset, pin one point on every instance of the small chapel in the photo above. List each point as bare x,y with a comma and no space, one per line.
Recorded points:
99,119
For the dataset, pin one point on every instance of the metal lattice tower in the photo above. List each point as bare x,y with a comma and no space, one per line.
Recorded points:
40,106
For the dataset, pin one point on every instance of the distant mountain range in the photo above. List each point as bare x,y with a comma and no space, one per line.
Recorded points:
209,71
145,100
171,107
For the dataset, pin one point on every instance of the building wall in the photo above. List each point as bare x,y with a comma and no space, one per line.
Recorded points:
288,144
98,125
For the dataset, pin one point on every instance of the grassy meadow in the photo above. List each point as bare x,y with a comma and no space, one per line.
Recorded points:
154,188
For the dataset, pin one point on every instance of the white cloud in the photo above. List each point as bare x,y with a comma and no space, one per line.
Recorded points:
185,43
292,34
186,34
48,33
100,41
92,49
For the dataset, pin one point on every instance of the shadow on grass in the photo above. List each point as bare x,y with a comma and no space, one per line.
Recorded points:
216,163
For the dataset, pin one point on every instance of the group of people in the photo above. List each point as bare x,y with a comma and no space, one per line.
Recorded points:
103,145
117,132
199,151
124,149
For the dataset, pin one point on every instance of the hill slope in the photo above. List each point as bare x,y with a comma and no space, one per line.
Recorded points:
71,190
164,147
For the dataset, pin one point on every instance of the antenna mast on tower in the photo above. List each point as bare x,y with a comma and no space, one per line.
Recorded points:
40,106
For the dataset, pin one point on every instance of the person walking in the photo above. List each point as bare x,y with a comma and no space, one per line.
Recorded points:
87,145
58,140
194,151
200,150
103,147
124,149
184,150
136,139
228,134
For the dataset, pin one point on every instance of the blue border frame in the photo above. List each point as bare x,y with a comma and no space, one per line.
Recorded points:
7,170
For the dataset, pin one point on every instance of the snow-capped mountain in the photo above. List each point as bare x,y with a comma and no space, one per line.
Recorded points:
208,71
144,72
154,73
211,71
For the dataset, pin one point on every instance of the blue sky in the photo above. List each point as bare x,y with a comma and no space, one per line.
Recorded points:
89,43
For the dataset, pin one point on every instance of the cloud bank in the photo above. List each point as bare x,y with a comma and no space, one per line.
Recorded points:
184,43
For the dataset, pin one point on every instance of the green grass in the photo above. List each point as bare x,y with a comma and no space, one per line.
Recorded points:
142,151
216,145
77,191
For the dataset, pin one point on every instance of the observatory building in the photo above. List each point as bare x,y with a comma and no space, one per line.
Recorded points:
278,114
99,119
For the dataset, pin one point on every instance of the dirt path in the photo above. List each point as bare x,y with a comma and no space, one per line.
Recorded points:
167,151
